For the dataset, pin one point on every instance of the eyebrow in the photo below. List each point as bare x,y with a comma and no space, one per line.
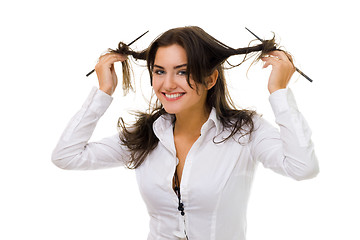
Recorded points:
176,67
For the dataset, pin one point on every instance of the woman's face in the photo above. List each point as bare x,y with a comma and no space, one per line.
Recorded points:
170,85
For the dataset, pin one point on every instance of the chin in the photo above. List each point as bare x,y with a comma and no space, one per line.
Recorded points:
171,110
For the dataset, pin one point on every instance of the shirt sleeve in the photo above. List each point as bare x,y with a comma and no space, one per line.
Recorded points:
73,150
289,151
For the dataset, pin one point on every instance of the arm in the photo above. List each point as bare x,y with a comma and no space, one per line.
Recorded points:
289,152
73,150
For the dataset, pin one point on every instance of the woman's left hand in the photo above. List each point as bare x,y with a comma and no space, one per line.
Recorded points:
282,69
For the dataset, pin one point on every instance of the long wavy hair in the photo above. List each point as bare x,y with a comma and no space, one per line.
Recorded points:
205,54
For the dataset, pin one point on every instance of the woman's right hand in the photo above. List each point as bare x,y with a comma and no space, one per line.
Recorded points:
105,71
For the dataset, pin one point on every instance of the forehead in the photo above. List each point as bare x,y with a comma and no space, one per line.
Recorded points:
170,55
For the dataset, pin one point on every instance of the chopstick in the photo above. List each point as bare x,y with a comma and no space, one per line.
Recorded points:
127,45
298,70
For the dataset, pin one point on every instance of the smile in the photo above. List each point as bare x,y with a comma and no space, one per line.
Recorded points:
173,96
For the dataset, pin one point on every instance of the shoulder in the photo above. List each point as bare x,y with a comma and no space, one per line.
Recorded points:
236,125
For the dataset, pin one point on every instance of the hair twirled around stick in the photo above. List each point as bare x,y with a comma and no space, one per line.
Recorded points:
126,66
221,53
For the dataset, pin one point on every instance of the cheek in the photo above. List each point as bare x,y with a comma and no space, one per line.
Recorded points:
156,87
155,84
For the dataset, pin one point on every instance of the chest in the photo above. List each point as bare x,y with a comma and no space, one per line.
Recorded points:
210,170
182,146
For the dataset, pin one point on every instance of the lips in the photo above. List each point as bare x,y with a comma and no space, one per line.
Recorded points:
173,96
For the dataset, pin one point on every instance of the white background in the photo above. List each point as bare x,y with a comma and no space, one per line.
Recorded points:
47,47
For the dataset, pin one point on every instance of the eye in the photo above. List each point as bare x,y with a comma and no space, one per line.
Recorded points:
182,73
159,72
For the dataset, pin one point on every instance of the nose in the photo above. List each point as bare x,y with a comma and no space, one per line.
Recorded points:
169,83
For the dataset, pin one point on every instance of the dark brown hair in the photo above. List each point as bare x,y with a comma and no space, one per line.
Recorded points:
205,54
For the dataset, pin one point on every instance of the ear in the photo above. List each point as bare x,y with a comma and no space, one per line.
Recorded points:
211,80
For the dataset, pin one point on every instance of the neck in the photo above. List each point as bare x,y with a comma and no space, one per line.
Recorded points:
190,123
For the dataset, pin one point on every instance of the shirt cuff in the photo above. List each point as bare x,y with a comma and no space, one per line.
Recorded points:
282,100
98,101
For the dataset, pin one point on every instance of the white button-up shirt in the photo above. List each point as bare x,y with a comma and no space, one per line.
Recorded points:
216,178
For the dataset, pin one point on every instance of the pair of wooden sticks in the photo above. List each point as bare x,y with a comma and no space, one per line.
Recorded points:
298,70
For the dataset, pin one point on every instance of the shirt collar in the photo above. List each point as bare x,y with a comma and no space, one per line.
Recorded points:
163,129
213,120
164,125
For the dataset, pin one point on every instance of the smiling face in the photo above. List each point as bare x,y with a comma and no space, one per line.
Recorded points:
170,84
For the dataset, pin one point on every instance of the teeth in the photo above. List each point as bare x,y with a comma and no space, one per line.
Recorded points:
174,95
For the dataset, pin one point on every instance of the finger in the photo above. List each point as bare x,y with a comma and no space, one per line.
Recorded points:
112,57
112,68
271,60
289,57
282,55
113,74
279,54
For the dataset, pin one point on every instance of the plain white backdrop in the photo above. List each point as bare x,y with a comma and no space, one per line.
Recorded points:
47,47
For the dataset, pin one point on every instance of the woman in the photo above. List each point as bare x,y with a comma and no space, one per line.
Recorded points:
194,154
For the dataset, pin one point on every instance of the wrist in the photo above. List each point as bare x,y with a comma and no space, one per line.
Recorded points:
275,88
108,90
